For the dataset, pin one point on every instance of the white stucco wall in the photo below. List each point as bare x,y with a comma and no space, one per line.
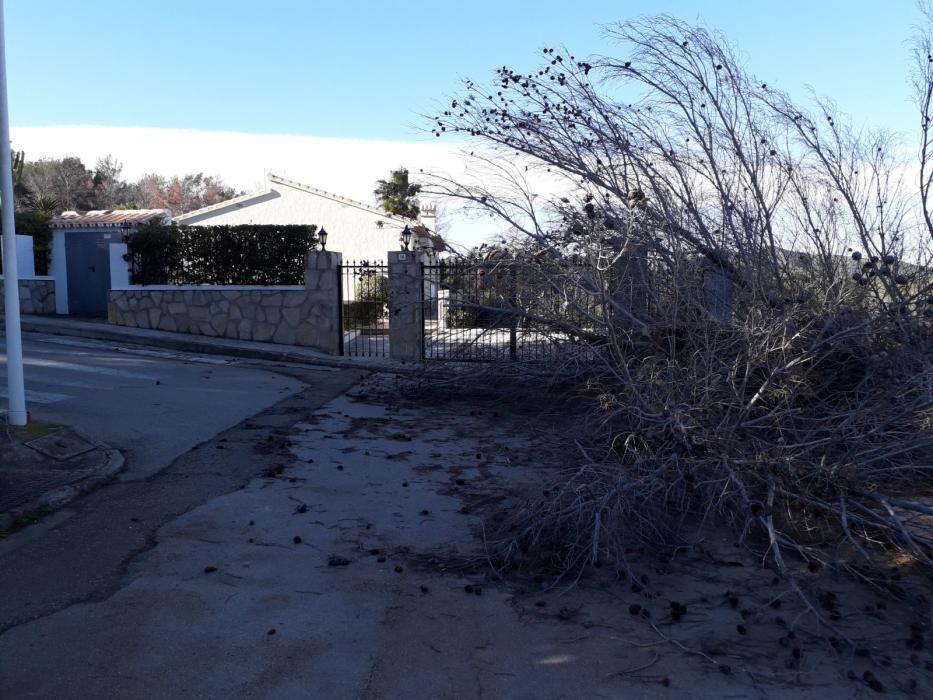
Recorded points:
119,267
352,230
25,262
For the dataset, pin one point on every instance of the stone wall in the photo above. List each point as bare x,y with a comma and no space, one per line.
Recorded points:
36,296
276,316
308,316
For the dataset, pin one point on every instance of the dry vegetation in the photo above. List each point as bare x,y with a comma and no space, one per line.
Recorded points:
750,291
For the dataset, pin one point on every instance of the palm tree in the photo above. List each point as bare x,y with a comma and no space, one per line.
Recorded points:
397,196
25,198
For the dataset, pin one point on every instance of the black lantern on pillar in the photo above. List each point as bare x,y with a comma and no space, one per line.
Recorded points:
322,237
406,237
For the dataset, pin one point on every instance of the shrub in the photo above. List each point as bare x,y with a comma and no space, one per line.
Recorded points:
362,313
371,286
223,255
153,254
30,223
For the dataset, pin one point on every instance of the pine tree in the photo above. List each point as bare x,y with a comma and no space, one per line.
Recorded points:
397,195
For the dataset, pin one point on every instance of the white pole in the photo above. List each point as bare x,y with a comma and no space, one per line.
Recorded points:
14,338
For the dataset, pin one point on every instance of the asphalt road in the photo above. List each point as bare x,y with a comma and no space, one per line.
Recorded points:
154,405
194,428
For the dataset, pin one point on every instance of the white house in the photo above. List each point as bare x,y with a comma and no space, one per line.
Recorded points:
359,231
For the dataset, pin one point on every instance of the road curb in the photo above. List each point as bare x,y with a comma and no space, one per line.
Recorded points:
63,495
192,344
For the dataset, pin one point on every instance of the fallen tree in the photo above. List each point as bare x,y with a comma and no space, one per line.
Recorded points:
754,281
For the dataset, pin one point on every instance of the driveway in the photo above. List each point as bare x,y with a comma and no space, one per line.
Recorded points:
153,405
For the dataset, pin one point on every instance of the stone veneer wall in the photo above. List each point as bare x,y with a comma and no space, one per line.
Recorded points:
268,315
406,307
35,297
308,316
322,283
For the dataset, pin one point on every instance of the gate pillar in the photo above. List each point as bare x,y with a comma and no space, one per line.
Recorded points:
322,307
406,307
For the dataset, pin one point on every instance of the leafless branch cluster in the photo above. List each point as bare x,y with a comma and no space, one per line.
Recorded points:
751,299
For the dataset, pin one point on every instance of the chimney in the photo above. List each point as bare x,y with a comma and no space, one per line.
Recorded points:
428,216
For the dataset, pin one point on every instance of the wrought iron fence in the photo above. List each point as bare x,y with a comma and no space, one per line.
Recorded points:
506,310
364,308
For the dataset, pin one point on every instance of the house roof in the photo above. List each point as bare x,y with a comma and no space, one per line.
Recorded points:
108,218
279,180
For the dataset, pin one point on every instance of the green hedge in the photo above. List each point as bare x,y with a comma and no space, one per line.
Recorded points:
243,255
362,314
372,286
30,223
468,317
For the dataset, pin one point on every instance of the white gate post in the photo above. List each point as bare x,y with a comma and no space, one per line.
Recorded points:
16,387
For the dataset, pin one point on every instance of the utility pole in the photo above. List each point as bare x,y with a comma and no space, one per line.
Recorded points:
16,389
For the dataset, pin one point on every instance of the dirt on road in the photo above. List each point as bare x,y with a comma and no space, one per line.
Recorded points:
359,566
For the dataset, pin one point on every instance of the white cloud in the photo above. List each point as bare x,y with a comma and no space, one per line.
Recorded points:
349,167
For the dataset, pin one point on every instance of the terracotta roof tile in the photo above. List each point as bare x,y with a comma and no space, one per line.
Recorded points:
109,218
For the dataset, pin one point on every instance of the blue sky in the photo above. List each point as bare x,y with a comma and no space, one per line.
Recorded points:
366,69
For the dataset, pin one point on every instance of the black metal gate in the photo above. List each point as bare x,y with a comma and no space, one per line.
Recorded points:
364,309
498,310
